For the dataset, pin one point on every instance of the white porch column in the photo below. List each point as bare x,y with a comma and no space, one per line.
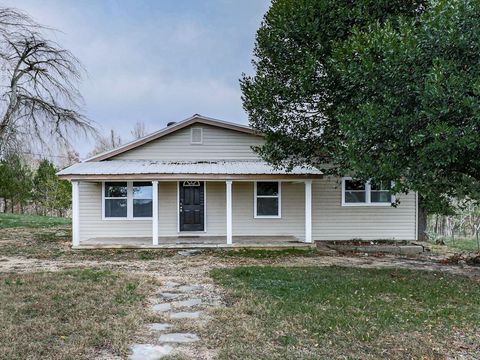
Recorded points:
155,212
75,214
308,211
229,211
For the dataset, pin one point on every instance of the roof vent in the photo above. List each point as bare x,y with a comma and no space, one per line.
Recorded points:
171,123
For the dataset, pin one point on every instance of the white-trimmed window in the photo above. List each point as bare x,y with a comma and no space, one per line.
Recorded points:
267,199
115,200
357,193
127,200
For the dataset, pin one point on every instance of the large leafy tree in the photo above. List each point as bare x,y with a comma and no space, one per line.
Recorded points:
382,90
409,103
291,97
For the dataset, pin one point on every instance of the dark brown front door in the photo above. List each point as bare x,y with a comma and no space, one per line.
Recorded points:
191,206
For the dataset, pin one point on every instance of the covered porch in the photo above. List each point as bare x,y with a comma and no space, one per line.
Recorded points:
205,205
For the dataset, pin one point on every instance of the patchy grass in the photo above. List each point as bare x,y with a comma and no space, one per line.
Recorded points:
316,312
8,221
55,243
265,253
73,314
468,245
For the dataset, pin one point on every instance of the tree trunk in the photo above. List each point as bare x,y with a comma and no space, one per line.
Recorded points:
422,220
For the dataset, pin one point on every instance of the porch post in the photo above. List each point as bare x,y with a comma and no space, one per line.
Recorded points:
155,212
229,211
75,214
308,211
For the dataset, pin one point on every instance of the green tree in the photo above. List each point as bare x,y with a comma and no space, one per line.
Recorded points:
291,98
50,193
15,182
395,96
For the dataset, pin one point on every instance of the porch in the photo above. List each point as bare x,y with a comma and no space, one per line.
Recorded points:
188,242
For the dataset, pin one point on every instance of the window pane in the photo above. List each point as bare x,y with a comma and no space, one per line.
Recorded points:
115,207
115,189
354,185
380,197
267,188
267,206
354,196
379,186
142,208
142,190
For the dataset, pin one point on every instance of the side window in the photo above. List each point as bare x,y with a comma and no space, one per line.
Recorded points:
355,192
267,199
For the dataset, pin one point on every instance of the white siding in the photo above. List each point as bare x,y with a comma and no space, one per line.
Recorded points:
330,220
91,223
218,144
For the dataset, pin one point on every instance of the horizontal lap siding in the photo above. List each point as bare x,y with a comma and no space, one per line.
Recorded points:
292,222
218,144
91,223
331,221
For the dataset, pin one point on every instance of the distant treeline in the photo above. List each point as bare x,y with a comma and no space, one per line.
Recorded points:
26,188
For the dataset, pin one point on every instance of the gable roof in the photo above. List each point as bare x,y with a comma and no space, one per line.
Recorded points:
170,129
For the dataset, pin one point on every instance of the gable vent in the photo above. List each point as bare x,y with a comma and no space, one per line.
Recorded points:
196,135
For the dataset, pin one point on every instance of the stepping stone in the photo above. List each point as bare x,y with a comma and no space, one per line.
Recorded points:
168,295
178,338
159,326
189,252
170,284
149,352
185,315
188,303
189,288
162,307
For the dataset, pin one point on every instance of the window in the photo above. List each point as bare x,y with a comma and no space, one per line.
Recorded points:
267,199
116,199
142,199
127,200
357,193
196,136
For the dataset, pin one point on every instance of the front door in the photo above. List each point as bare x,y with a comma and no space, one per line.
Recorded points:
192,206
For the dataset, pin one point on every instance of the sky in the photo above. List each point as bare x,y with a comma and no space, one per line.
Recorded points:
154,61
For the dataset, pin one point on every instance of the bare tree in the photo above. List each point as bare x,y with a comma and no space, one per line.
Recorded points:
139,130
39,100
105,143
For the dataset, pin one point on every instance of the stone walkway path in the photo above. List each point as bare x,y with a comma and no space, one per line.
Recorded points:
179,306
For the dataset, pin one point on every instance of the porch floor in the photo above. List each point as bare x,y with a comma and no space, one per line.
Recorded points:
189,242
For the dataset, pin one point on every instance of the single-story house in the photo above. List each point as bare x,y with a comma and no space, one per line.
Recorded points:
198,182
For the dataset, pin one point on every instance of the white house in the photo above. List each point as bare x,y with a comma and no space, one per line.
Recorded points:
198,182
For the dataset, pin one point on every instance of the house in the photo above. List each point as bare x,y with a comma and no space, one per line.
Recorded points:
199,182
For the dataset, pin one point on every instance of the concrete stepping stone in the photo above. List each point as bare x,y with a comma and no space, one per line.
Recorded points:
191,252
170,284
160,326
189,288
178,338
185,315
162,307
188,303
149,352
169,295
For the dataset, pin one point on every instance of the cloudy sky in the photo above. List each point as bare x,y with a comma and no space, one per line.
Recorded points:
155,60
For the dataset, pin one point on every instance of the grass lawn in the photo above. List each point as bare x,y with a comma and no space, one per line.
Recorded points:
33,221
469,245
72,314
333,312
